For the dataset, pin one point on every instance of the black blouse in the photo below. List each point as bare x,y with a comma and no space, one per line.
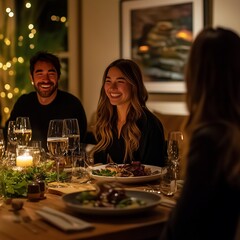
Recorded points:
209,205
151,149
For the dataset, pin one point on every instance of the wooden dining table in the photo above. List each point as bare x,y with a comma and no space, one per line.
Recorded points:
146,225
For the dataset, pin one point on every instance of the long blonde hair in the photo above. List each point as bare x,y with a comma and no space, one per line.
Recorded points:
106,119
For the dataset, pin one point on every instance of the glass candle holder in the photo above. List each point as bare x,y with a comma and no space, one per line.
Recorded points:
24,157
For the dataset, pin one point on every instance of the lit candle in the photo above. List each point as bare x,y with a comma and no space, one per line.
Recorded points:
24,161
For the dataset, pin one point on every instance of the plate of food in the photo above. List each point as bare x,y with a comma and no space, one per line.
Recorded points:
115,201
127,173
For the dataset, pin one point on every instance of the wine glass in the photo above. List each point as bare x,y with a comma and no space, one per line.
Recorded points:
174,151
57,142
73,135
2,144
23,131
11,143
11,135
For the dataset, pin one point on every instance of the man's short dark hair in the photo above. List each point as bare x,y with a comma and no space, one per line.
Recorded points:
45,57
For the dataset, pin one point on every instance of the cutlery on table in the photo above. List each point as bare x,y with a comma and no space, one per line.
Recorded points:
62,220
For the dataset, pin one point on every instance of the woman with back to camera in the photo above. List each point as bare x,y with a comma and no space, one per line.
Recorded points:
208,207
125,129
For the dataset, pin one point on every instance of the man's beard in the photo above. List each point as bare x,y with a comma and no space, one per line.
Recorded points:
48,93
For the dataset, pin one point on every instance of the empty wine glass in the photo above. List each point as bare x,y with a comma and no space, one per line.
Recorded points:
57,142
73,134
23,131
174,151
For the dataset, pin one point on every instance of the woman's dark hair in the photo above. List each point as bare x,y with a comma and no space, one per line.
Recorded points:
213,76
213,91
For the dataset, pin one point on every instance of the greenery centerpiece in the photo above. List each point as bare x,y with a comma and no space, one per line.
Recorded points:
14,181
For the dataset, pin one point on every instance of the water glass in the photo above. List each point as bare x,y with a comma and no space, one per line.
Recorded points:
168,184
36,150
80,172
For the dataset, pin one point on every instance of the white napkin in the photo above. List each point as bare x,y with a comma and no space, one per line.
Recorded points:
62,220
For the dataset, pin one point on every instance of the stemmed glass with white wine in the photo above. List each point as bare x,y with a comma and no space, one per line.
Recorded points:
73,135
2,145
11,142
57,142
174,151
11,134
23,131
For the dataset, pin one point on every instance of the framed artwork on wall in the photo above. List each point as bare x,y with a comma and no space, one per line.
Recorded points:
157,34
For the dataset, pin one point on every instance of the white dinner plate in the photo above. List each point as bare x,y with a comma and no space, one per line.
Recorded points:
157,171
151,200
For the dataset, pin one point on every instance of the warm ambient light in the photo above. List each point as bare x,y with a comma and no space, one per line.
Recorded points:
9,95
28,5
3,94
7,86
143,48
20,59
24,161
30,26
6,110
7,41
185,34
8,10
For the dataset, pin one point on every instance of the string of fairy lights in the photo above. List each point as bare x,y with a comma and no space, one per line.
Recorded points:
8,59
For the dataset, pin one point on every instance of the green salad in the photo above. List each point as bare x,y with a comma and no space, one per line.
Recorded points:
110,195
